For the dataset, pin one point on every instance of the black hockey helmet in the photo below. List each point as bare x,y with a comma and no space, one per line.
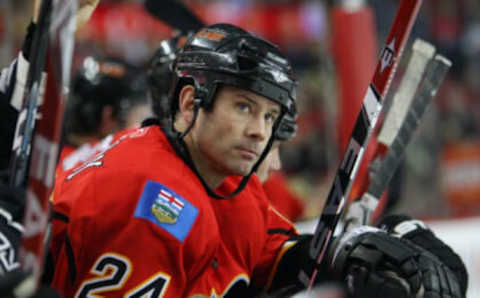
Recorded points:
226,54
160,75
100,83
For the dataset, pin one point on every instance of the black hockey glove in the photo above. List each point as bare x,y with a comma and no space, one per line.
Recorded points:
373,264
417,232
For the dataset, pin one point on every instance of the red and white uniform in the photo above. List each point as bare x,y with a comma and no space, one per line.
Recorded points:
136,221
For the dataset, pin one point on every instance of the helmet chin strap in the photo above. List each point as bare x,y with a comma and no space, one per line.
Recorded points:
180,146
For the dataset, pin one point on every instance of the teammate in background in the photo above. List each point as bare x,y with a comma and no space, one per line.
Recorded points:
104,94
173,210
107,96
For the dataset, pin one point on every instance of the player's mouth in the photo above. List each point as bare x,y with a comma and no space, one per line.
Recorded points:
248,154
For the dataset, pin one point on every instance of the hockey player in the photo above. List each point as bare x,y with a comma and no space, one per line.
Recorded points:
105,102
274,184
86,122
197,244
173,210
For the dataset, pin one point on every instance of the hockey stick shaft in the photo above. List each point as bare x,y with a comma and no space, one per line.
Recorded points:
45,146
25,127
360,211
364,125
436,72
421,54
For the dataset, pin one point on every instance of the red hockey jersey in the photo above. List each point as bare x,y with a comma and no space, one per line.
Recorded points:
136,222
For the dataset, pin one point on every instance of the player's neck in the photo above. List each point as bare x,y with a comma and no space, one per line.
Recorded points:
208,172
212,177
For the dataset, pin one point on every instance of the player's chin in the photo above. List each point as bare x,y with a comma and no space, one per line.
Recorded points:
242,168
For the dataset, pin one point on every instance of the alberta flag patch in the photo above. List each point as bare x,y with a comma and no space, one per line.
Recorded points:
165,208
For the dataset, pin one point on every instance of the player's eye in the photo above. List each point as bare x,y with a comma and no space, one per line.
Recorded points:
243,107
270,117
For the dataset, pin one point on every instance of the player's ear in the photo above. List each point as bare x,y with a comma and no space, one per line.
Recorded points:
185,104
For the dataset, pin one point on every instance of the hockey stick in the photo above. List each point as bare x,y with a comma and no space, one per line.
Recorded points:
361,210
422,53
364,125
56,27
175,14
21,150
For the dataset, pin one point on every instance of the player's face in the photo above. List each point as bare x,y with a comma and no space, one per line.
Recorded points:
232,136
270,163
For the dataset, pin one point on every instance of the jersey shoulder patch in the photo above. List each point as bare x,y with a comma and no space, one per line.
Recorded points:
166,209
